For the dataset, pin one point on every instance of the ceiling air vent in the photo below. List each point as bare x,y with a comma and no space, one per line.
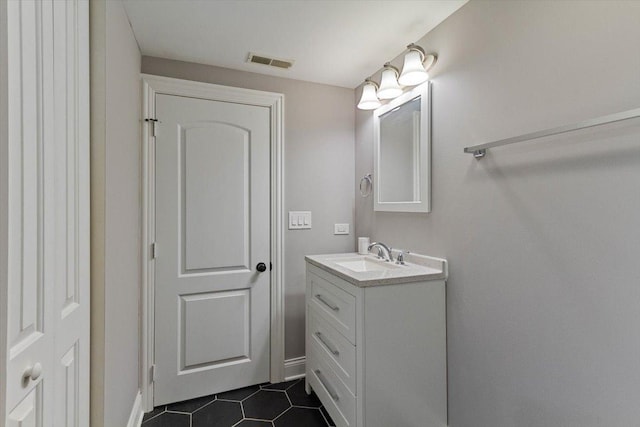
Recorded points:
273,62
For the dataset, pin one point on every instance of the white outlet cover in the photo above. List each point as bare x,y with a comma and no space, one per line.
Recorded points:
341,229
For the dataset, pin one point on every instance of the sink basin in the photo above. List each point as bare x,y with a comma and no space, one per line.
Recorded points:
368,270
365,263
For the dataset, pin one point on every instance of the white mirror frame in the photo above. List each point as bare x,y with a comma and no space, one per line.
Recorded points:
424,150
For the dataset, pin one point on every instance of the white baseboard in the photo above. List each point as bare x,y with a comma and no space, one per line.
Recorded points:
135,419
294,368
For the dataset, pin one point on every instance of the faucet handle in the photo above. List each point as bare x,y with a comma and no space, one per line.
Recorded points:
400,257
380,253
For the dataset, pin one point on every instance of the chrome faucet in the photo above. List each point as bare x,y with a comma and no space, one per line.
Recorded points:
381,249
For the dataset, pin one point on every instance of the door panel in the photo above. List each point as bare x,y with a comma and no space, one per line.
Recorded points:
71,398
26,199
209,346
28,413
212,229
215,170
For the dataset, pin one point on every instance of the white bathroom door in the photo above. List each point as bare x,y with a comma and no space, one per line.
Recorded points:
47,215
212,280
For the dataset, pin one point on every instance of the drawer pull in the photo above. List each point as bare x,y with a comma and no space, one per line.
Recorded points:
328,303
332,393
326,344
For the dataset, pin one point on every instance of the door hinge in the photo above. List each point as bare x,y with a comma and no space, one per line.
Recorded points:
152,373
154,250
154,126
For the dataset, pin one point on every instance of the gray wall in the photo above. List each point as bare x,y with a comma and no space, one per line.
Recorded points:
116,207
543,237
319,165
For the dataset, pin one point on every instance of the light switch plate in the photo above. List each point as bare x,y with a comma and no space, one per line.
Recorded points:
299,220
341,229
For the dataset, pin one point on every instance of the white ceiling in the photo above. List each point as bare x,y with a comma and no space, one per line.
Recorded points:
336,42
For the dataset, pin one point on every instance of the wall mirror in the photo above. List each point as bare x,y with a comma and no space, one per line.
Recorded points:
402,153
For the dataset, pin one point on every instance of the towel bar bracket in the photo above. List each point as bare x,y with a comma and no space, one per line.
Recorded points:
478,154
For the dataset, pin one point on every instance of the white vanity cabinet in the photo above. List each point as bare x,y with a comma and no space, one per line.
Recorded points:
376,353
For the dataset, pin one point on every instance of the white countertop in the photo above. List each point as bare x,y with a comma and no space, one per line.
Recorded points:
417,268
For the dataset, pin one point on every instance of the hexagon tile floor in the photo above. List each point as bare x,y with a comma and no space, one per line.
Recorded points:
268,405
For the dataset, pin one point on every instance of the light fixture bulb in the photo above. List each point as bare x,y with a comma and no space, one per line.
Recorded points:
389,87
413,71
369,100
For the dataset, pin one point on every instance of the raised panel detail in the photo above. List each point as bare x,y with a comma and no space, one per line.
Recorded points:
70,365
215,197
68,152
28,413
26,132
204,342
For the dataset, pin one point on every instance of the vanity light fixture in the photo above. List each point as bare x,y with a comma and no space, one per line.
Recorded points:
389,87
369,100
414,71
416,64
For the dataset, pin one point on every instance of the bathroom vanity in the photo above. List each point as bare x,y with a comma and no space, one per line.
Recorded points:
376,339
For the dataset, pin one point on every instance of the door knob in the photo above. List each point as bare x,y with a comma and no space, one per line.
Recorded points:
261,267
32,372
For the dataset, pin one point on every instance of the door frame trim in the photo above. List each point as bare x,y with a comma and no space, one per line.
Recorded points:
152,86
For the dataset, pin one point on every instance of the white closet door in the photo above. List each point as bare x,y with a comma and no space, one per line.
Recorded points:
47,354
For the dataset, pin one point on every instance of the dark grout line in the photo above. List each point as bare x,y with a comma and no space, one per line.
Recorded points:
205,405
284,412
252,394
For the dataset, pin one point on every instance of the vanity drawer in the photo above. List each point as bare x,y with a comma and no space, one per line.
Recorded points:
340,353
333,393
334,305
